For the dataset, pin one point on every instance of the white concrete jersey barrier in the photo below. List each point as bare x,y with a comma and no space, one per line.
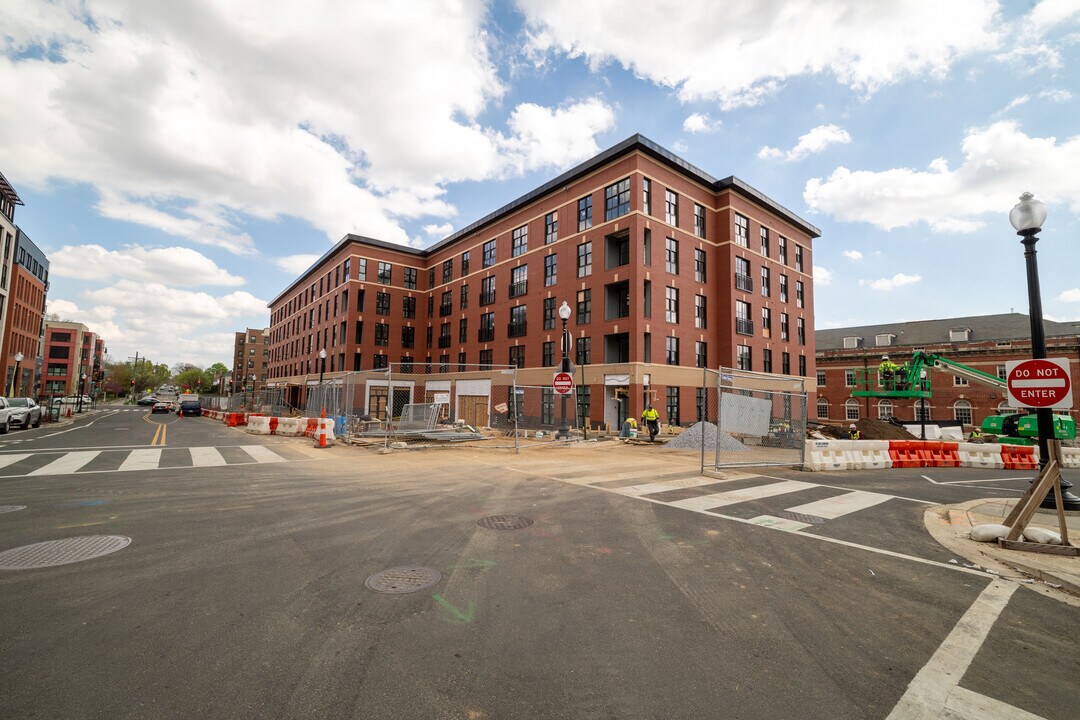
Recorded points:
1070,457
828,454
292,427
869,455
258,425
980,455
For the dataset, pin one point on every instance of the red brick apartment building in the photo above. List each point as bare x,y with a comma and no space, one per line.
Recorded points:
71,351
25,323
662,265
251,357
984,343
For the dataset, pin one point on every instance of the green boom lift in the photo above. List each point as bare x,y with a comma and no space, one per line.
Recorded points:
912,380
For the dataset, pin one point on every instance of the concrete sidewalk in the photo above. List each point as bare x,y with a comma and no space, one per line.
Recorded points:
951,524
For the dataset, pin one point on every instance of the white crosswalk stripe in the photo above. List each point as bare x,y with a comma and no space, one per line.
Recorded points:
129,460
715,503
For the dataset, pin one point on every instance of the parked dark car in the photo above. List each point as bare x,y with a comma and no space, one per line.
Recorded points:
25,412
189,407
148,400
160,407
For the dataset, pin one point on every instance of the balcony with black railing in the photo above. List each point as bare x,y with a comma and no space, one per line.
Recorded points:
744,327
485,335
517,329
445,310
487,297
744,283
519,288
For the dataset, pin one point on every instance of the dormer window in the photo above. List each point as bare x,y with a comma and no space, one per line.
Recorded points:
850,343
884,339
959,334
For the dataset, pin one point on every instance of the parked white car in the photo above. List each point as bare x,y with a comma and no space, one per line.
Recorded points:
5,416
25,412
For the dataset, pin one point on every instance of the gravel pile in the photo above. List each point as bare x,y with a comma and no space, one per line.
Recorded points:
690,439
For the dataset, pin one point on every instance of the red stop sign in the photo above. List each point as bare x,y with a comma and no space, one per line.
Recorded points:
563,383
1040,383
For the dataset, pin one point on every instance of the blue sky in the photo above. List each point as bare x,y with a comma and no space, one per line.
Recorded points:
182,162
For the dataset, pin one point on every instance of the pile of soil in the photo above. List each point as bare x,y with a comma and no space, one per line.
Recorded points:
869,429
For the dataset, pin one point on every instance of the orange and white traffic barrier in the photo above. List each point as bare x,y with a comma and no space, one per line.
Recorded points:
980,455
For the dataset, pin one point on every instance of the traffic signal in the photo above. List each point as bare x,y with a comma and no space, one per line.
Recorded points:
132,382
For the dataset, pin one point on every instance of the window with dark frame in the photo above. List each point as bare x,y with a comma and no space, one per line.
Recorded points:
382,303
671,304
408,336
584,213
671,207
583,351
519,241
584,307
699,265
584,259
673,405
671,350
448,270
464,263
551,270
744,357
700,312
385,275
463,330
699,220
408,307
548,357
519,281
551,228
742,231
382,334
646,196
489,254
487,290
701,354
410,278
617,199
549,313
671,256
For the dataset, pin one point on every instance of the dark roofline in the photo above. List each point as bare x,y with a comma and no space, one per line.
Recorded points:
631,144
7,189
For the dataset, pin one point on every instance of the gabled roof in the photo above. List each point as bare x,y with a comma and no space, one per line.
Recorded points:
984,328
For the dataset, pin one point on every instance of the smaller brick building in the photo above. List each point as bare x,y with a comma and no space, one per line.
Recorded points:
71,350
983,342
251,356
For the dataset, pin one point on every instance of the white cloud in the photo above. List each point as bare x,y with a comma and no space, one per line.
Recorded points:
175,265
194,122
679,146
1048,14
811,143
700,123
822,276
64,308
439,230
887,284
761,45
1072,295
1000,162
1014,103
1058,96
295,264
852,255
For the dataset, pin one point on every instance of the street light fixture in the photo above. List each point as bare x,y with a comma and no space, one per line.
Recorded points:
564,313
1027,218
82,384
15,376
322,364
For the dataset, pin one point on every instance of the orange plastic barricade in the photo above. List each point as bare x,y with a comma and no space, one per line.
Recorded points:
273,425
1018,457
312,426
905,453
948,455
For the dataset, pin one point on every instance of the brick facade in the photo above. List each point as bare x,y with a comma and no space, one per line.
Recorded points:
631,273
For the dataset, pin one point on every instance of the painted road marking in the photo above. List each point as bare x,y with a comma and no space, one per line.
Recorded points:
6,460
834,507
66,464
587,479
964,704
141,460
262,454
652,488
779,523
929,693
733,497
206,456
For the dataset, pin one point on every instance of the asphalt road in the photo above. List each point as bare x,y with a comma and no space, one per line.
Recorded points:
242,592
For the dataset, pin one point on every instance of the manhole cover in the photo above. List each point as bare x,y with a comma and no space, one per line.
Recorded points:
396,581
61,552
801,517
11,508
504,522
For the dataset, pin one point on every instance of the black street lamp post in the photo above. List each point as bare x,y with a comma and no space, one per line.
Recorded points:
322,364
15,378
1027,217
564,313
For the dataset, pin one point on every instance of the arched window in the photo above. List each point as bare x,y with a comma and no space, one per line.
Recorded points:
922,410
884,409
851,409
822,408
1004,409
962,411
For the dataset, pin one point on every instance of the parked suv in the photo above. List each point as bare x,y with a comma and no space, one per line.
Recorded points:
25,412
189,407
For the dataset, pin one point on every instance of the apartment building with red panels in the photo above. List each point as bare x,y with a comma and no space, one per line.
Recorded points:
985,343
661,264
72,351
24,325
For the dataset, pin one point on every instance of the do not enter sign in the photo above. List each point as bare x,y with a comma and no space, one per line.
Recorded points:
563,383
1039,383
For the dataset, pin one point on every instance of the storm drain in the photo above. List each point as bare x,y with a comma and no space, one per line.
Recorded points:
61,552
11,508
405,579
801,517
505,522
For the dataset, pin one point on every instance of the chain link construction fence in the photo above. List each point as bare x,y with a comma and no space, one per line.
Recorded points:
268,401
761,420
418,402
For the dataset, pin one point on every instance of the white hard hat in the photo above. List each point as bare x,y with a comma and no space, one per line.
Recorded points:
884,357
852,425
